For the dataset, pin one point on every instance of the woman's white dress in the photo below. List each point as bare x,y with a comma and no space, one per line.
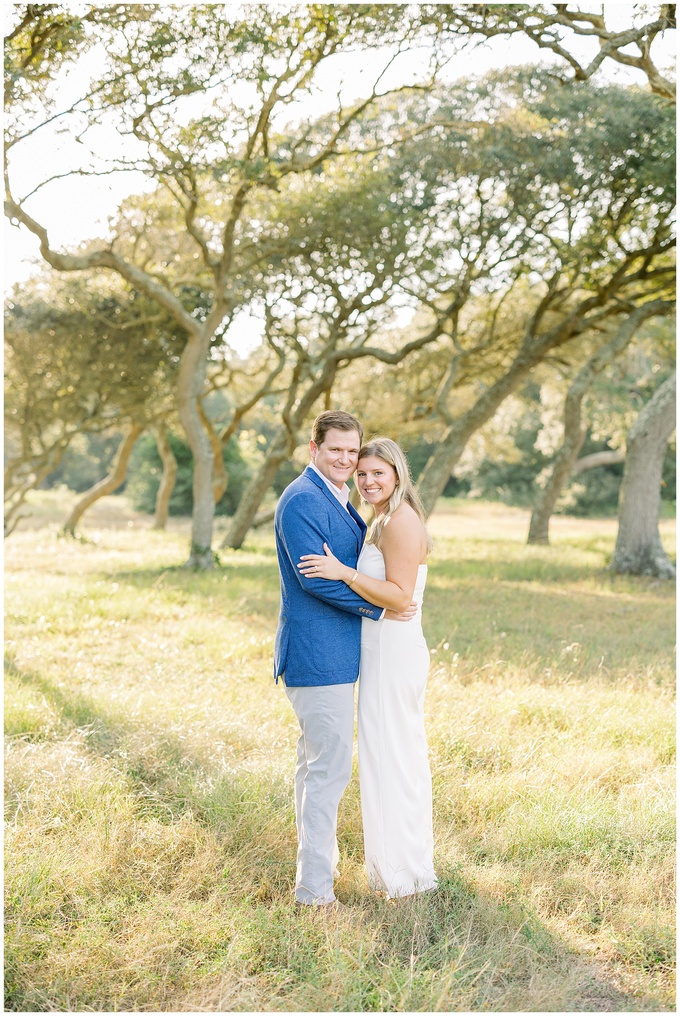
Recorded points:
394,771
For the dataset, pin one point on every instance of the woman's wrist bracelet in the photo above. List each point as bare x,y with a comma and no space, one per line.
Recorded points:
354,578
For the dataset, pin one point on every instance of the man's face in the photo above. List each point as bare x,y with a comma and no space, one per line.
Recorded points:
337,456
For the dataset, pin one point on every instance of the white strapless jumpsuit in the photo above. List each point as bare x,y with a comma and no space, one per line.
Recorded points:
394,771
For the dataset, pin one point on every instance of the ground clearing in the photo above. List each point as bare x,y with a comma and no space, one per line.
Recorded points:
149,836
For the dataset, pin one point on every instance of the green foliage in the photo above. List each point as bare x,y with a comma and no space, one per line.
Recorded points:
512,480
591,493
531,181
82,356
145,470
85,461
480,190
591,164
44,38
83,353
510,473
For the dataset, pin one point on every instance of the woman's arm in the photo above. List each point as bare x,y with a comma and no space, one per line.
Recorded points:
402,546
301,525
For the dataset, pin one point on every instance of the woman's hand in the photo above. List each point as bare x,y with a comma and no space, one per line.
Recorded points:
316,566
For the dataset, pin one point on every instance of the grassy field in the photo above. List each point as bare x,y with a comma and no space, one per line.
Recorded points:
150,837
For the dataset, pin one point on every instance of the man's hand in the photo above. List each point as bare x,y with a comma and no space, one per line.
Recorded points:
405,615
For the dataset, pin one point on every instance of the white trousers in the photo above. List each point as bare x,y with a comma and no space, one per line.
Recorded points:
324,766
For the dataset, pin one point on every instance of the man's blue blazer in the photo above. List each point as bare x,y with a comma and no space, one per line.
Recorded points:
318,639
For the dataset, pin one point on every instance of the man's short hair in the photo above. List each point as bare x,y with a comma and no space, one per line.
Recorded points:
334,418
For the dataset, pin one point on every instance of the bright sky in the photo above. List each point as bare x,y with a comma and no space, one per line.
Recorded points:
78,209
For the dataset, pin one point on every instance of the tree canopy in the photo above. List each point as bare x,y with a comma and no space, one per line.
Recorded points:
482,228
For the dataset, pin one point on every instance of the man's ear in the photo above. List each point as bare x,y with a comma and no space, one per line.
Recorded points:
313,449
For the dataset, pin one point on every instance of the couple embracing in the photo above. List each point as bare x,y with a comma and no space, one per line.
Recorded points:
350,607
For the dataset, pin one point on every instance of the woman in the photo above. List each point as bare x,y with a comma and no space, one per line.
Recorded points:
394,772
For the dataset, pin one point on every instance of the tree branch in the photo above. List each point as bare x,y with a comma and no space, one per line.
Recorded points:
104,259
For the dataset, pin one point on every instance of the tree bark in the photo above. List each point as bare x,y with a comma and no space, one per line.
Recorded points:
280,448
639,550
535,346
283,444
574,430
608,457
190,382
297,408
263,518
17,488
220,477
167,484
614,44
451,446
574,436
110,483
191,375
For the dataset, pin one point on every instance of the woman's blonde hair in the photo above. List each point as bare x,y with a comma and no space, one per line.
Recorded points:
389,451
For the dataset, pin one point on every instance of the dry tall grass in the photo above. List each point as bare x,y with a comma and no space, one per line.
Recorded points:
150,841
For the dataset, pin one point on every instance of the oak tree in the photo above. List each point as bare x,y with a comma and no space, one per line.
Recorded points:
639,549
196,94
587,173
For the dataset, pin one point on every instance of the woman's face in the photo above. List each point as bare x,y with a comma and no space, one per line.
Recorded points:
376,480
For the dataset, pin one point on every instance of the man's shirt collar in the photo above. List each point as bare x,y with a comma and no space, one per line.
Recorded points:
341,493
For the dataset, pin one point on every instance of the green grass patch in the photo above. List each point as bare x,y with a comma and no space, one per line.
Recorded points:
150,840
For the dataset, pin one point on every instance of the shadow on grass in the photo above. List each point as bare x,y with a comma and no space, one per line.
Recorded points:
528,568
249,586
452,950
453,944
169,783
487,610
182,577
484,620
536,567
531,567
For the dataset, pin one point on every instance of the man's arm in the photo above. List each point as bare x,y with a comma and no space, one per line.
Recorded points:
302,532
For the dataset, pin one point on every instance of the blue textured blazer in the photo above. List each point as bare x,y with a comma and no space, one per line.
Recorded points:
318,639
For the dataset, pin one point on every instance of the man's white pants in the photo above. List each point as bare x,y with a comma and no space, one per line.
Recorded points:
324,766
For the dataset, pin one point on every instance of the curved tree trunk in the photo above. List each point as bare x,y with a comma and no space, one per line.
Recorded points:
639,550
574,436
451,446
277,453
12,508
566,466
110,483
17,487
282,445
574,431
191,378
608,457
167,484
263,518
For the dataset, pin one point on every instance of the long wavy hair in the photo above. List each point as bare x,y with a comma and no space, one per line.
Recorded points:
389,451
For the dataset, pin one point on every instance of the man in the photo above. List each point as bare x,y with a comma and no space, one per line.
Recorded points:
318,643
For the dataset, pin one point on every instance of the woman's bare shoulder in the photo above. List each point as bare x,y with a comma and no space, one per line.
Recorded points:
404,523
405,516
